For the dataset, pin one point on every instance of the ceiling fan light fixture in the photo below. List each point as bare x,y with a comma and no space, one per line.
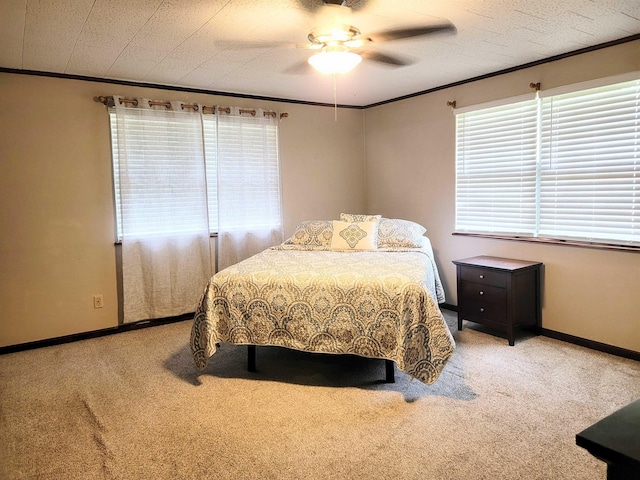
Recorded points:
331,61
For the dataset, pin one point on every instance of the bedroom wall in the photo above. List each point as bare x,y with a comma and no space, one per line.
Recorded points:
410,171
56,202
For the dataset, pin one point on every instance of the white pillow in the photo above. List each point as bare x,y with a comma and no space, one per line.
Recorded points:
354,235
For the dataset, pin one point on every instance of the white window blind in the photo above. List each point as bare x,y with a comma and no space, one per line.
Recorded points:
248,172
564,167
495,169
159,187
590,164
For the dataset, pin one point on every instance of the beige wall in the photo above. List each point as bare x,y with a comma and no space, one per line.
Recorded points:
410,170
322,163
56,202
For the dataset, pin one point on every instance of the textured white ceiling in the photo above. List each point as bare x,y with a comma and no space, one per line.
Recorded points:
192,43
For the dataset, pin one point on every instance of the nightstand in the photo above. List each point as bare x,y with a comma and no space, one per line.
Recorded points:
500,293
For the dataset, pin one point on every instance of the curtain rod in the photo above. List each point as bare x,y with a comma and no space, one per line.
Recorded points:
109,101
535,86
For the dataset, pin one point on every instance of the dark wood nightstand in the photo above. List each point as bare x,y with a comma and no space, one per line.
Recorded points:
500,293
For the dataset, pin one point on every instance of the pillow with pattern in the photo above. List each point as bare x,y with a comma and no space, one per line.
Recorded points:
316,233
354,235
400,233
352,217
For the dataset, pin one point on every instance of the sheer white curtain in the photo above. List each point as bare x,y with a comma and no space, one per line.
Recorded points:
159,166
249,199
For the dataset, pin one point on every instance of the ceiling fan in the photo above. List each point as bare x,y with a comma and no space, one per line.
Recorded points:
342,46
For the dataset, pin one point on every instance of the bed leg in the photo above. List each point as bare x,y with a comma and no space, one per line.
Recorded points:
391,378
251,358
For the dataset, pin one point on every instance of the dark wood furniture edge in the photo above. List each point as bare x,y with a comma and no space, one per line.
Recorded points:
615,439
602,453
516,264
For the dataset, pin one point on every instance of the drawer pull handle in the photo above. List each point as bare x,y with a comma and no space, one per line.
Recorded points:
481,292
481,276
482,310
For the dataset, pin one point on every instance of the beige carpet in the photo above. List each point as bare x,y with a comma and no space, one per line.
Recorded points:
132,406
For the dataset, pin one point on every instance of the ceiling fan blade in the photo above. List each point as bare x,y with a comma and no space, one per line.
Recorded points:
400,33
391,60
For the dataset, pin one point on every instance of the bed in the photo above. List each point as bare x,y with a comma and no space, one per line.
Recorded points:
380,302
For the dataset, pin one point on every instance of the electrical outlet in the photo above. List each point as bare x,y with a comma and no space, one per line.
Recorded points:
98,301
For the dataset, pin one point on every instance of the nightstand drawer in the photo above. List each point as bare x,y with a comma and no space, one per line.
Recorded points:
478,311
477,292
483,276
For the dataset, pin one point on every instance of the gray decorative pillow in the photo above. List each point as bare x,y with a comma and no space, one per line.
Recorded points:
352,217
399,233
316,233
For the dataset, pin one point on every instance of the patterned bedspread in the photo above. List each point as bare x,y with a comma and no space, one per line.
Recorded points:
378,304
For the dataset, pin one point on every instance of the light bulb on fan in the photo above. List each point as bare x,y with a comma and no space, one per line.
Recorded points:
335,59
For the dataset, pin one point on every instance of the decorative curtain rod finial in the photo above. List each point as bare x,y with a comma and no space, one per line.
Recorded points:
452,104
108,101
535,86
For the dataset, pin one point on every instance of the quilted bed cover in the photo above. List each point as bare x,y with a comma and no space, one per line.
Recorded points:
377,304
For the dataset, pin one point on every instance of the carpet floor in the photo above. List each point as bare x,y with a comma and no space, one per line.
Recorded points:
133,406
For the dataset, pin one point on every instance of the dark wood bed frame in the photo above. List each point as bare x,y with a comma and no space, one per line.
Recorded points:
251,364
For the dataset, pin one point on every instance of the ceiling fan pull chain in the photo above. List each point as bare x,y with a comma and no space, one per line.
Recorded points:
335,100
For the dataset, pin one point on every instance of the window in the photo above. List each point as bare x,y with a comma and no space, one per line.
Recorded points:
240,157
561,166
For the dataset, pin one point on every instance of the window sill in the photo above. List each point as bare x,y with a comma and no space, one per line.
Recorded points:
211,235
554,241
